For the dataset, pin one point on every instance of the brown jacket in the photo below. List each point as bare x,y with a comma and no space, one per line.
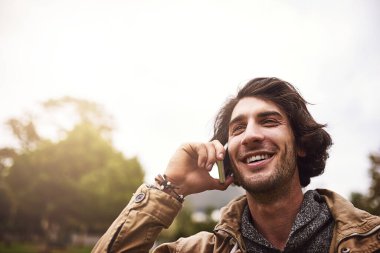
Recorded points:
150,210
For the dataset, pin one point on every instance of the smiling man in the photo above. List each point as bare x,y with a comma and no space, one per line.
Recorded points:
274,148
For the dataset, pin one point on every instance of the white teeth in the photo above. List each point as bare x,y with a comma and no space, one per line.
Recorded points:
257,158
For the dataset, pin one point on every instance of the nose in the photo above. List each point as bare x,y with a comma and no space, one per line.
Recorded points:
252,134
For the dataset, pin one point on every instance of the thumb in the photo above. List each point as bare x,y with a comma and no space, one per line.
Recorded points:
217,185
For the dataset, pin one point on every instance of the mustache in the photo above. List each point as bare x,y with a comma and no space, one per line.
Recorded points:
257,147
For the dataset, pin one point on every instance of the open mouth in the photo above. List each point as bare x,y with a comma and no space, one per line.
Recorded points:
258,158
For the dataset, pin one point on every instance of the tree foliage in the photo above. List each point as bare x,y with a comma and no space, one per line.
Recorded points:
185,225
371,200
84,111
77,183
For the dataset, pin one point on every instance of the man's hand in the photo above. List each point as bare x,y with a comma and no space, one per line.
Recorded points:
190,165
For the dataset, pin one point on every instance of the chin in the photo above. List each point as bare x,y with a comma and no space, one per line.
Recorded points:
262,182
258,187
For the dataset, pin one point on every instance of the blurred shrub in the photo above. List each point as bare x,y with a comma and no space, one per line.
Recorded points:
78,183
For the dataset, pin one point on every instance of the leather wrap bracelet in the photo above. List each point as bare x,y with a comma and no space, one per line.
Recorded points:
166,186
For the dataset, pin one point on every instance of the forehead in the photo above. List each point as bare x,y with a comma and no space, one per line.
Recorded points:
253,106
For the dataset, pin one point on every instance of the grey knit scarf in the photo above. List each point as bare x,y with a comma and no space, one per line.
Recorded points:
311,231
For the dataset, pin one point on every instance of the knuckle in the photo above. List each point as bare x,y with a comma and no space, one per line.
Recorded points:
202,146
201,149
216,143
209,145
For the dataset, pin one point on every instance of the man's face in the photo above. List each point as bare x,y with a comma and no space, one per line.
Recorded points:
261,146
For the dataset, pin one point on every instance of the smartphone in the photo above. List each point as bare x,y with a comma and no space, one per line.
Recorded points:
224,167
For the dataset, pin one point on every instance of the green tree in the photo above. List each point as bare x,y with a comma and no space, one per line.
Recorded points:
184,225
371,200
78,183
6,208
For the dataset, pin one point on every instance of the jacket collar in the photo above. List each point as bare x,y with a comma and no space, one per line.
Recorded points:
348,219
230,220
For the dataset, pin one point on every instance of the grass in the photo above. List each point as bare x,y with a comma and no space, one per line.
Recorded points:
34,248
19,248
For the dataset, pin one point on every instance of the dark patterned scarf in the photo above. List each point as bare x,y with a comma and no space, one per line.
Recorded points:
311,231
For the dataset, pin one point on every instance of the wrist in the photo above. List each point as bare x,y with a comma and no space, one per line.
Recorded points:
163,183
180,188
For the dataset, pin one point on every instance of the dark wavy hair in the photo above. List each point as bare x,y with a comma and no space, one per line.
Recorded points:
309,135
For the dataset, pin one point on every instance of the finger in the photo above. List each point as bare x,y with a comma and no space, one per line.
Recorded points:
202,155
211,155
229,180
217,185
219,149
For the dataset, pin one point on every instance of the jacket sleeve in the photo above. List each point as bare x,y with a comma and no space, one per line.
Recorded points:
137,227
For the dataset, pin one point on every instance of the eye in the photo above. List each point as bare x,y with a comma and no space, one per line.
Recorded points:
237,129
270,122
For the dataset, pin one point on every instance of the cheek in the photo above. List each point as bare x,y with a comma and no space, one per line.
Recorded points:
233,150
233,144
284,136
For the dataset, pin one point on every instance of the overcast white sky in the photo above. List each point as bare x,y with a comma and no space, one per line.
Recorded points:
163,68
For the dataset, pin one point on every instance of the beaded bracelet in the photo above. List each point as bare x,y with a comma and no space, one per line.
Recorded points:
167,186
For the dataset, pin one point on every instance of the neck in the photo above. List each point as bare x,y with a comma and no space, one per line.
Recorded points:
274,213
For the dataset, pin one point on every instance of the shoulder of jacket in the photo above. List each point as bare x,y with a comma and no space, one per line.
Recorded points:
200,242
351,224
230,215
344,211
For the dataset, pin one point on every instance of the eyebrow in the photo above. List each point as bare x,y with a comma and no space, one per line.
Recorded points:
269,113
260,115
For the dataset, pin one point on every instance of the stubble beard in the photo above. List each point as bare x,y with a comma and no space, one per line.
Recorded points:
281,176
